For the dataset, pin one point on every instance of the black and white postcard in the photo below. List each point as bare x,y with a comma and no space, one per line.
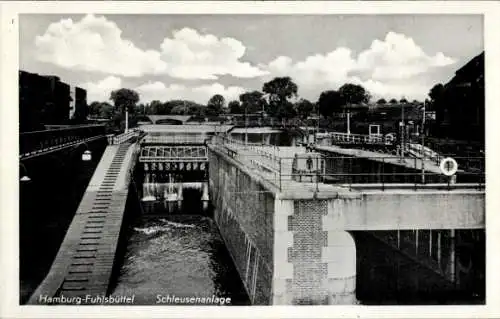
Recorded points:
208,158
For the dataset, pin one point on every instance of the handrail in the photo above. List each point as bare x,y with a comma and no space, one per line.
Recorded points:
124,137
68,128
358,138
279,169
40,141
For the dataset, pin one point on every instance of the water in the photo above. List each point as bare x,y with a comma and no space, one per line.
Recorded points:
177,253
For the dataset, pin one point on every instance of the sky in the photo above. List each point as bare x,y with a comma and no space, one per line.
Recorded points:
193,57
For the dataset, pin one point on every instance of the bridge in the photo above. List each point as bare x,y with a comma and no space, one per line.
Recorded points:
287,214
38,143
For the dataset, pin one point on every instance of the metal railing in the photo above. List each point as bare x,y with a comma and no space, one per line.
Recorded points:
268,153
37,142
175,139
347,138
124,137
380,172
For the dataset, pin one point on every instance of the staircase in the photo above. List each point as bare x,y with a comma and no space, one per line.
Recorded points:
84,263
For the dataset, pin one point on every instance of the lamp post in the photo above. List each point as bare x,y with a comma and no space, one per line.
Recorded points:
348,122
402,125
423,150
126,118
317,127
246,127
265,98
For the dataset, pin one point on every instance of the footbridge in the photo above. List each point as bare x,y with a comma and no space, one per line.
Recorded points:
39,143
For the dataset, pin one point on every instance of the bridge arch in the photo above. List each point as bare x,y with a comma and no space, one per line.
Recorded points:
169,122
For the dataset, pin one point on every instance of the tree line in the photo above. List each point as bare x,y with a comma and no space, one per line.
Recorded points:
279,98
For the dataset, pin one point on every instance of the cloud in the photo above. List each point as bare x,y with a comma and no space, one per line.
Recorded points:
96,44
201,94
101,90
191,55
392,67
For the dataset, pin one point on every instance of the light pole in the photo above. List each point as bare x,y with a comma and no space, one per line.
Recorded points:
402,131
246,127
264,97
317,127
126,118
348,122
423,150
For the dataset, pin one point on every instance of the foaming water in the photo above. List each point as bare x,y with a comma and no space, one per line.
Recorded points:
181,255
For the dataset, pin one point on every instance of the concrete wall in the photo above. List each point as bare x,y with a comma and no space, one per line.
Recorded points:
282,248
244,212
407,209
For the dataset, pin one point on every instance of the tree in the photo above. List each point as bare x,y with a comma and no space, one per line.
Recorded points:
354,94
215,105
436,92
94,108
181,107
330,102
403,101
101,109
252,102
437,95
234,107
382,101
393,101
124,99
280,89
304,108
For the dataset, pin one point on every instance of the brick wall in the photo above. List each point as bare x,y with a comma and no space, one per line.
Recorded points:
319,266
244,214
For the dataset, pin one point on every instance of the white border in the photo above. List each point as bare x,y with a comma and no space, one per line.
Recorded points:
9,284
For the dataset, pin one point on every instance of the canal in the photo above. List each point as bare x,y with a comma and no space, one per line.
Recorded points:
176,251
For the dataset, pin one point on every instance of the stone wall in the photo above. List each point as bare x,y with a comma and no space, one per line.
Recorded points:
244,212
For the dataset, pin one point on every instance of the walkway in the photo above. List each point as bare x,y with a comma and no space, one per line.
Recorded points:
414,163
38,143
84,263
